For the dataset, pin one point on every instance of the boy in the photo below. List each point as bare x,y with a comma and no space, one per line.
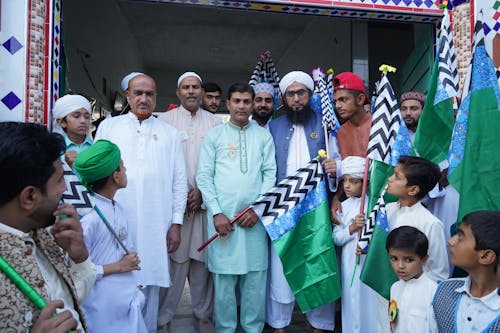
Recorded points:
412,179
471,304
357,298
72,119
115,303
412,295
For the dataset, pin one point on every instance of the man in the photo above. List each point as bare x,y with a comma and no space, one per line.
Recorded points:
155,197
237,165
412,104
212,97
263,103
193,122
352,137
298,136
31,188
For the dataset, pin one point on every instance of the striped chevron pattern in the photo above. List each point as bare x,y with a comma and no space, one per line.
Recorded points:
448,73
377,217
286,195
265,71
385,123
76,194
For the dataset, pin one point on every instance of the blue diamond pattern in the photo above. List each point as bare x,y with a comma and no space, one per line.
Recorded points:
11,100
428,3
12,45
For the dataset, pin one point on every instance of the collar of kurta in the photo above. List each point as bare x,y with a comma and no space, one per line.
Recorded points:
238,127
492,301
188,113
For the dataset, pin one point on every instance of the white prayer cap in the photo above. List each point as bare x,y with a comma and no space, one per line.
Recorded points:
67,104
187,74
263,87
126,79
296,76
353,166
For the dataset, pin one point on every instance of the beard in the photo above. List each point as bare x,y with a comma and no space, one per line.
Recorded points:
260,117
299,117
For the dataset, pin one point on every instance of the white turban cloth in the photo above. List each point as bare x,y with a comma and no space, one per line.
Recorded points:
65,105
126,79
187,74
353,166
296,76
263,87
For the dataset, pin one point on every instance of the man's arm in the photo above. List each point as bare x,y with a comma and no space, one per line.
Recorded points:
268,164
205,175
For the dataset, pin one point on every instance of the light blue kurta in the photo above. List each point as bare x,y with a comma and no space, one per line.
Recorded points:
235,166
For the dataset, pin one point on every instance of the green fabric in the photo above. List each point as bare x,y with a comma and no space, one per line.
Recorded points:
435,126
477,177
377,271
309,261
98,161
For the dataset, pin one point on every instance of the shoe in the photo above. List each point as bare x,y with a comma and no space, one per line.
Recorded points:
163,328
205,326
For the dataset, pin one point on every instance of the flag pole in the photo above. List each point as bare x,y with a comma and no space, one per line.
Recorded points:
327,146
362,205
214,236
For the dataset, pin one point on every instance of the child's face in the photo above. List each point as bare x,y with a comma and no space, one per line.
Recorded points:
462,244
352,186
121,176
406,263
397,183
76,123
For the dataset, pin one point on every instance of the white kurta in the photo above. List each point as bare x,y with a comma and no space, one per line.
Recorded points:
155,196
437,266
413,297
115,303
358,300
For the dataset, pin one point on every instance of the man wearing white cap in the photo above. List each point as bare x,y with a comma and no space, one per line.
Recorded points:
263,103
193,123
71,116
298,136
155,197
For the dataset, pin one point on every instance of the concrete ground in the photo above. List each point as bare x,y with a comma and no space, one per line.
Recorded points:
184,321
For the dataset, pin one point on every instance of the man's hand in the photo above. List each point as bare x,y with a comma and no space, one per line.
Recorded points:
194,200
335,208
222,225
173,237
68,233
70,157
129,263
330,166
61,323
248,220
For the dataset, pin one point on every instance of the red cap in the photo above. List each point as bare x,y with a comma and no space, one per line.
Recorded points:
349,80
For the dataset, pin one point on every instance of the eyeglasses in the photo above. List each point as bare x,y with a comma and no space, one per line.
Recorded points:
300,93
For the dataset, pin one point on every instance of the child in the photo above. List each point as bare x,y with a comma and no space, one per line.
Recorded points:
412,179
358,300
115,302
471,304
411,296
72,119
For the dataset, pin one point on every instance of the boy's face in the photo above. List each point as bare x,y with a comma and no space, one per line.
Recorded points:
346,104
76,123
121,176
406,263
352,186
462,244
398,184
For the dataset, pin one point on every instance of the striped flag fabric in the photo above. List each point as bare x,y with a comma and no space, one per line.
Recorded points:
76,194
447,64
296,216
329,120
265,71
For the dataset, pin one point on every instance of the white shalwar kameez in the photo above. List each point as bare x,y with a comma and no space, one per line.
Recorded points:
280,300
358,300
115,303
155,196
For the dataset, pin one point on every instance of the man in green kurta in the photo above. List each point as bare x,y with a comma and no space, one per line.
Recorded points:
236,165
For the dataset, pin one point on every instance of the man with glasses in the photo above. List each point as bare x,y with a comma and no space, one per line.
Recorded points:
298,135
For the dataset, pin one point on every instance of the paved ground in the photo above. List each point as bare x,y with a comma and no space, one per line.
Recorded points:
184,322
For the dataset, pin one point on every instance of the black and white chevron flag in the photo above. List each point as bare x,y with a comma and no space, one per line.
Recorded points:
385,122
378,213
328,119
265,71
76,194
448,73
284,196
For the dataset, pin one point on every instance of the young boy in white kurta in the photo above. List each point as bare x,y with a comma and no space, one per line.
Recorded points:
115,303
358,300
412,179
412,295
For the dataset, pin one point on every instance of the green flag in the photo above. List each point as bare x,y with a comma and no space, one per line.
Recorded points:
296,216
474,158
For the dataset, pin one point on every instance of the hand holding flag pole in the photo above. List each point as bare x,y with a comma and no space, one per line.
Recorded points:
214,236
